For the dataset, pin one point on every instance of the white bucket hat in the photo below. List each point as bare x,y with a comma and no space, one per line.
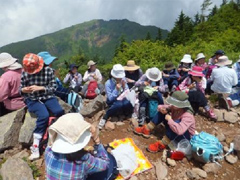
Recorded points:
187,59
154,74
6,60
200,56
118,71
223,61
69,134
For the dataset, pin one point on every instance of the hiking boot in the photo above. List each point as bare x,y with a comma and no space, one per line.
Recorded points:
223,103
101,124
211,114
142,131
35,153
156,147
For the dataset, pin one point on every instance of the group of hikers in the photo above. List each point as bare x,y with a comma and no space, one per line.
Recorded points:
34,85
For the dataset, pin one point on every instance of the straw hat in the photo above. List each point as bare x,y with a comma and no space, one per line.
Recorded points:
154,74
32,63
179,99
186,59
6,60
200,56
196,71
223,61
47,58
69,134
118,71
91,63
169,66
131,66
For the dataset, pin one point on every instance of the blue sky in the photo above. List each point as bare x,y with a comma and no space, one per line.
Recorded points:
25,19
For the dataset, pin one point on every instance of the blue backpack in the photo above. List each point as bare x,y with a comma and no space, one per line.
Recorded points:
75,100
152,108
207,147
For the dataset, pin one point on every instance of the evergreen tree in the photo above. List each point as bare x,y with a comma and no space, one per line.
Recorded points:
213,12
197,19
224,2
205,7
121,46
159,35
148,37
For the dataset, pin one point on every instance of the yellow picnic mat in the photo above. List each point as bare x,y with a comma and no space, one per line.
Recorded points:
143,163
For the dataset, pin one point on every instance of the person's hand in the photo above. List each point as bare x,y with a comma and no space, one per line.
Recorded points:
165,75
35,88
76,77
146,83
26,90
95,77
168,117
162,110
130,81
118,86
155,87
184,69
191,86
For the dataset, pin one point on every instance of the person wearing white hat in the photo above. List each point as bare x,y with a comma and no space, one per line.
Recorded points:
236,67
200,61
184,67
223,77
10,99
151,86
114,87
67,155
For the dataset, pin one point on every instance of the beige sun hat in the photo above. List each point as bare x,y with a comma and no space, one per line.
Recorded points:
154,74
223,61
91,63
131,66
6,60
200,56
69,134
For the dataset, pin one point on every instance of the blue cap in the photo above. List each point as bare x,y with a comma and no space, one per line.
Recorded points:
219,52
47,58
72,66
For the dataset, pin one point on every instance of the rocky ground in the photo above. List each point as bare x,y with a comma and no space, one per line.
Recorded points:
225,129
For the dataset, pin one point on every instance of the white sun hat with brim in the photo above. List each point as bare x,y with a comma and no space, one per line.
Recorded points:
154,74
223,61
6,60
200,56
118,71
187,59
69,134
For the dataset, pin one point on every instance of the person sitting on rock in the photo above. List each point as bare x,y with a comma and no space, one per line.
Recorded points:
114,87
223,77
152,84
178,119
200,61
133,73
67,155
10,99
38,86
236,67
194,85
185,67
73,78
92,74
170,77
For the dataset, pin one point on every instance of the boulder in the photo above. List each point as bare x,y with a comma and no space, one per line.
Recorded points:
211,168
10,125
26,131
109,125
16,169
231,117
161,170
200,172
22,154
171,162
192,175
231,159
66,107
219,113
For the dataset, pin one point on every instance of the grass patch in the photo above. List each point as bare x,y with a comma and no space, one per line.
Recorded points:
35,171
213,98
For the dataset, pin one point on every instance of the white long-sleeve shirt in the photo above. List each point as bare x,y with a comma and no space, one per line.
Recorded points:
88,76
223,79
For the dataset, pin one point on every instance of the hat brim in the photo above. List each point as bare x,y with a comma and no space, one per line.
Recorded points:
151,79
8,63
132,68
62,146
178,104
35,71
196,74
49,60
169,69
186,61
226,63
92,65
120,75
200,58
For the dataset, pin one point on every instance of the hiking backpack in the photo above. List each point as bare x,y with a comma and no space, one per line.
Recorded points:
206,147
75,100
44,141
92,90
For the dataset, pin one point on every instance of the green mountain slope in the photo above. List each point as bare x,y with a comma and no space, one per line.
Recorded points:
94,38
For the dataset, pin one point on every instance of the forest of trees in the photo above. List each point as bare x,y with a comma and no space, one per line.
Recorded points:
209,30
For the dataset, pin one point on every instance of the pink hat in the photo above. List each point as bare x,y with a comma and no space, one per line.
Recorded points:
196,71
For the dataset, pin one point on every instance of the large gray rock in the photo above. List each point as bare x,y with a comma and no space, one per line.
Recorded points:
16,169
26,131
211,168
66,107
231,117
161,170
10,125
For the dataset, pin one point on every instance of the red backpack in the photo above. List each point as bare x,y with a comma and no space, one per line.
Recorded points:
91,91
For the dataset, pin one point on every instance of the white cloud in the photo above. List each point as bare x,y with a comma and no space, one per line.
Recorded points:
24,19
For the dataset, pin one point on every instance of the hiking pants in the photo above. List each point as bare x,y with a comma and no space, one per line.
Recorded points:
197,99
40,109
170,82
235,96
160,118
117,108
